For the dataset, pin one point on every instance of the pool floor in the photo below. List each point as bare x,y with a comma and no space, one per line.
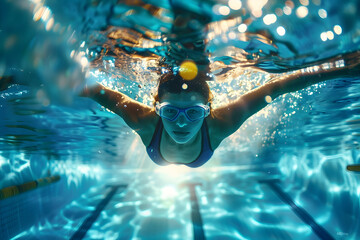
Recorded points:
227,204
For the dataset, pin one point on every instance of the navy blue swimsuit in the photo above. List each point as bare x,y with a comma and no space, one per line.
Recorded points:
153,149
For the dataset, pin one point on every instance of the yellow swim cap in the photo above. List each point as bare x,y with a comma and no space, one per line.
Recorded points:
188,70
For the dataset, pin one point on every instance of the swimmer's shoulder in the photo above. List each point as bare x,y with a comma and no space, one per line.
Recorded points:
215,131
219,127
148,122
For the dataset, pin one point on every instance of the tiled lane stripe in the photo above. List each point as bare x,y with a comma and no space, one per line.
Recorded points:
195,214
300,212
86,225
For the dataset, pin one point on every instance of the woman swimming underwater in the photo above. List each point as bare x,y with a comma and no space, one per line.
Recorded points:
183,128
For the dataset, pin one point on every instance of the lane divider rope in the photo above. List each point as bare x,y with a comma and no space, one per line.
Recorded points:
25,187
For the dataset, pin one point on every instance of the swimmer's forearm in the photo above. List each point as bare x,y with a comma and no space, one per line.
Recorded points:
131,111
345,66
253,101
106,97
236,112
301,79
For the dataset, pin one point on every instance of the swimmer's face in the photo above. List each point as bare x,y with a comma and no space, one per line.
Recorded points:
181,130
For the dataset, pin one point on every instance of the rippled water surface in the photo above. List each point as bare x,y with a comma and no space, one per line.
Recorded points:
304,139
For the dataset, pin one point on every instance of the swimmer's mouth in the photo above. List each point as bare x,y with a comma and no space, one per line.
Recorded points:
181,133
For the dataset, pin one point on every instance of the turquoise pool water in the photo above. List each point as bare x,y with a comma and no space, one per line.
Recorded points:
282,175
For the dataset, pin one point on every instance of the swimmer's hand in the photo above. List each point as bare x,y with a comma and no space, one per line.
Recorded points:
91,90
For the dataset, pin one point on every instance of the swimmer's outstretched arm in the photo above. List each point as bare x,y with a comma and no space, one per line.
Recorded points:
235,113
135,114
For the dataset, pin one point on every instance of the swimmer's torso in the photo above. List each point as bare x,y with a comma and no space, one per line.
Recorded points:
180,154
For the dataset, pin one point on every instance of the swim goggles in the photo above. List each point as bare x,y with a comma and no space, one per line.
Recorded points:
193,113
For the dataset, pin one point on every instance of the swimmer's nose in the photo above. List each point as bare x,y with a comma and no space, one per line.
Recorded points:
181,121
181,124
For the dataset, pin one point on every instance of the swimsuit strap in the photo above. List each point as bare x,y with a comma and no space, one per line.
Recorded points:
153,149
206,151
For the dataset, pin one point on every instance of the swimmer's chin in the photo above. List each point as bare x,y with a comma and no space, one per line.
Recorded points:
181,139
178,141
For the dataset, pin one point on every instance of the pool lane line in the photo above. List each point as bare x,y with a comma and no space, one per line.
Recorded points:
25,187
299,211
89,221
353,168
196,219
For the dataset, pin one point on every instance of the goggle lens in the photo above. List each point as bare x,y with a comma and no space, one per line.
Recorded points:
195,113
169,112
